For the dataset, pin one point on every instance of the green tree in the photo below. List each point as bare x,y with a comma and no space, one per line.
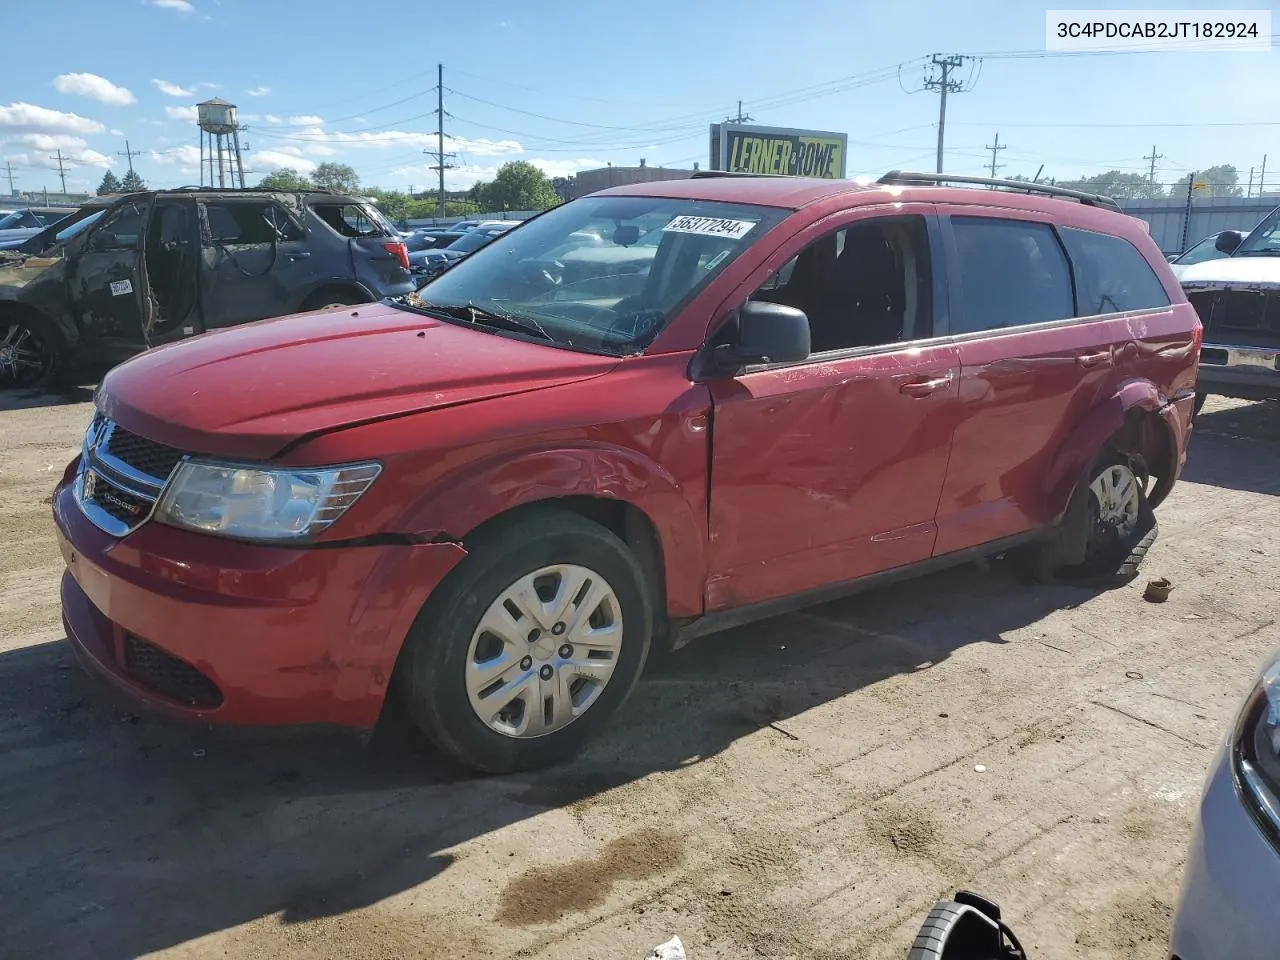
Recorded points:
338,177
518,185
1223,181
1117,184
110,184
132,183
286,178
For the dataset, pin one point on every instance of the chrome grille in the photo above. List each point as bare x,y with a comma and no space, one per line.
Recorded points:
121,476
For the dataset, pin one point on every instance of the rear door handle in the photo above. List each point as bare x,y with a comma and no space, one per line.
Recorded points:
923,388
300,255
1094,359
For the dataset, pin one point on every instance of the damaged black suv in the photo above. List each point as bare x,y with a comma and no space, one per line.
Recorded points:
128,272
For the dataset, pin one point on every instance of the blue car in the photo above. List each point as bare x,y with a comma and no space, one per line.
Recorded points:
1233,869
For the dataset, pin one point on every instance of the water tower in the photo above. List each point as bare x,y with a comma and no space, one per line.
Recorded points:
219,143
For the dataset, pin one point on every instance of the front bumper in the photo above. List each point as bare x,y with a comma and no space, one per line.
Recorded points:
217,631
1227,906
1247,373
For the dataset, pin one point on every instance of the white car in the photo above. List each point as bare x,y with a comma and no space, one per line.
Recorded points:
1201,252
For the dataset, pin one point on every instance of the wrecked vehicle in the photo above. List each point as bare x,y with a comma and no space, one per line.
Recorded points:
494,497
1238,300
125,273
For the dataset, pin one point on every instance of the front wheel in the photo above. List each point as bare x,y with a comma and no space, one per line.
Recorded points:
530,646
30,354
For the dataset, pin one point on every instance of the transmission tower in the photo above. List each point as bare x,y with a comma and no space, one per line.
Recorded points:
441,158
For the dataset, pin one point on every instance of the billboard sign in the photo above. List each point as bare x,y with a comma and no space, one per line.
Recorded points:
747,148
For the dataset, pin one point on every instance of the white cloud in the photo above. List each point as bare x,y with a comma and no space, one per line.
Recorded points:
48,141
272,118
182,5
250,117
399,139
29,117
186,155
117,133
172,89
258,91
268,160
181,113
94,87
321,150
306,120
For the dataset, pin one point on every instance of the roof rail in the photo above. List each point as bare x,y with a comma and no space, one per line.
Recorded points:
902,177
701,174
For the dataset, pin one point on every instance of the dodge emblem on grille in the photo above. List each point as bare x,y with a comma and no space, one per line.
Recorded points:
90,485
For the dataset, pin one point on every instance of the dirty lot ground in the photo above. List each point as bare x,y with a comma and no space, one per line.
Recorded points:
802,788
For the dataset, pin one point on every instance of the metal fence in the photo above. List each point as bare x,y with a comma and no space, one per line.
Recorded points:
1176,226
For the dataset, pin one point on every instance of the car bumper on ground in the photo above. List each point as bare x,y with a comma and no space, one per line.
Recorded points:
1247,373
1227,907
222,632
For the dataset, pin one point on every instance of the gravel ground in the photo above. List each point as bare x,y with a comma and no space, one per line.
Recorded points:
805,787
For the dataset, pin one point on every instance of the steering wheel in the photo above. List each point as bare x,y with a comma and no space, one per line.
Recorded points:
547,274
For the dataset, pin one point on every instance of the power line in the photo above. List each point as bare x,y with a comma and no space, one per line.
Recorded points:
61,171
130,153
1153,157
441,157
995,148
944,84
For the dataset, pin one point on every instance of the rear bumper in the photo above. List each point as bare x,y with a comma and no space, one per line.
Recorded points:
230,633
1247,373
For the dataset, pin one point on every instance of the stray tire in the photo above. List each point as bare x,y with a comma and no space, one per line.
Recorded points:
530,645
30,353
1106,532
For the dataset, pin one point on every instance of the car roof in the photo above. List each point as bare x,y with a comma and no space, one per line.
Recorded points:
792,193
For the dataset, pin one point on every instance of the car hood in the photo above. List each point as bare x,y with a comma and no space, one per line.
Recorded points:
17,270
1232,270
250,391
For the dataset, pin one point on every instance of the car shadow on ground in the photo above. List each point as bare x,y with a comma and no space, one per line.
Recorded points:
123,835
1235,447
27,398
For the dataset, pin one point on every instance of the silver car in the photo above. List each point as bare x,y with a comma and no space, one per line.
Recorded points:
1228,902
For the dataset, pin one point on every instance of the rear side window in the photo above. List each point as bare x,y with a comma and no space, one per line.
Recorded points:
1111,275
1012,273
352,220
249,223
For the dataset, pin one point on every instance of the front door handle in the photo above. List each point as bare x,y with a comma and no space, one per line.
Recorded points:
300,255
924,387
1094,359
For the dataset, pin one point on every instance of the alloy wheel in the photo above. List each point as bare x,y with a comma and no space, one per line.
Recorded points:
1116,500
544,651
24,356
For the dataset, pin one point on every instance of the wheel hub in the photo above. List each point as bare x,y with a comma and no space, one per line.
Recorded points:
544,651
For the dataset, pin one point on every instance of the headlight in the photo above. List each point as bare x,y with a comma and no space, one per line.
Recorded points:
256,504
1256,750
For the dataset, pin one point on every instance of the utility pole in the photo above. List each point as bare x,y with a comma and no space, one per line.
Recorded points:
12,190
1262,177
944,84
995,148
61,172
1186,214
1249,189
1153,157
129,154
741,117
440,156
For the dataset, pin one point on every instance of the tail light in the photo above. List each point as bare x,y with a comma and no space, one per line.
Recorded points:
398,250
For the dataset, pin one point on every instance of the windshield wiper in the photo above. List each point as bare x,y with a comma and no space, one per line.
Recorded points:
489,318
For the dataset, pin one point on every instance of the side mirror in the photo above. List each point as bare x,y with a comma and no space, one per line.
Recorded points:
1228,241
766,333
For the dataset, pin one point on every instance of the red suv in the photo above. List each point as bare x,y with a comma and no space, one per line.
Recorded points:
648,414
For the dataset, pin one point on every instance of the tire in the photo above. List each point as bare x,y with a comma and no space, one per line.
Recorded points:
329,299
446,641
1089,548
31,353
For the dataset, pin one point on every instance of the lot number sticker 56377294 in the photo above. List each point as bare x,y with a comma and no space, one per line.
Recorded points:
710,227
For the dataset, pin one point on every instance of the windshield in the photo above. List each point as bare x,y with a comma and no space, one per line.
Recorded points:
1264,240
15,221
473,240
554,275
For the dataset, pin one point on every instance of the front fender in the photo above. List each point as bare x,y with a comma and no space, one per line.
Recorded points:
488,488
1081,449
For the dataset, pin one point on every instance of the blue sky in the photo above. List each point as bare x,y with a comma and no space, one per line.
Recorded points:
570,85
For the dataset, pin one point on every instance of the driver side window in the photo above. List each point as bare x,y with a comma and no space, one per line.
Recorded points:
122,230
867,284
